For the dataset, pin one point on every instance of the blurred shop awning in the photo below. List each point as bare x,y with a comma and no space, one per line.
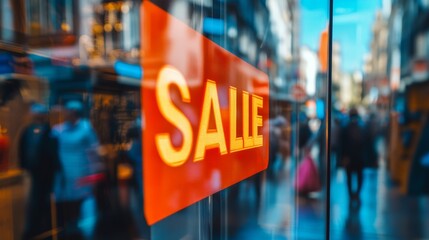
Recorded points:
16,78
108,79
29,87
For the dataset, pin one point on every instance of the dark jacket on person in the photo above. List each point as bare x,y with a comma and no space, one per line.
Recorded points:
38,153
38,156
353,144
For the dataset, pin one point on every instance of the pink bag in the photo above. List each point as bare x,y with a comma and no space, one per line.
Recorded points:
307,177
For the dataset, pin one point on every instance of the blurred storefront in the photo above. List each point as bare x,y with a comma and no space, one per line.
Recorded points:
408,72
200,119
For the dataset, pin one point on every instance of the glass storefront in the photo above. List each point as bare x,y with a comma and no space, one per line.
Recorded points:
213,119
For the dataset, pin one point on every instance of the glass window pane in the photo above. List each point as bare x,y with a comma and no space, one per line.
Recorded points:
162,119
379,125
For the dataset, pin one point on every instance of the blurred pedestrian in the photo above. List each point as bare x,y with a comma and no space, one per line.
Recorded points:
305,136
307,177
279,144
77,143
353,137
38,156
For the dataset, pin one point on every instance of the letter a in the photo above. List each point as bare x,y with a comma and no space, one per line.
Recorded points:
210,138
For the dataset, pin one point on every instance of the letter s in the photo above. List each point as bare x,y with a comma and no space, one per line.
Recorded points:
171,155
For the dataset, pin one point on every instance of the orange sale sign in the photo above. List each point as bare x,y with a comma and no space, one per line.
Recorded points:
205,117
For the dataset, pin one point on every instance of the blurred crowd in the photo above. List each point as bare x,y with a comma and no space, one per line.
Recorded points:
67,165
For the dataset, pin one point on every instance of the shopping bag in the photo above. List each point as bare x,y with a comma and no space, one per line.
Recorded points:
91,179
96,165
307,177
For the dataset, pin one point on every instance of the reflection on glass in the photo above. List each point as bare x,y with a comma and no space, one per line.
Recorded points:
72,119
74,86
379,74
74,77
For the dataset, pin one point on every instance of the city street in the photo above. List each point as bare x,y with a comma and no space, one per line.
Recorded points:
384,213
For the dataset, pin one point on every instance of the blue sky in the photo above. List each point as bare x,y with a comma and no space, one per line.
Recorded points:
353,21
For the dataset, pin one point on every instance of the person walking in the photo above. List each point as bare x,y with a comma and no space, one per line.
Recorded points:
37,153
353,153
77,142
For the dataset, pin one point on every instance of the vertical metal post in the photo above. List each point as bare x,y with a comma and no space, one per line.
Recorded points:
224,214
328,125
210,217
200,219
